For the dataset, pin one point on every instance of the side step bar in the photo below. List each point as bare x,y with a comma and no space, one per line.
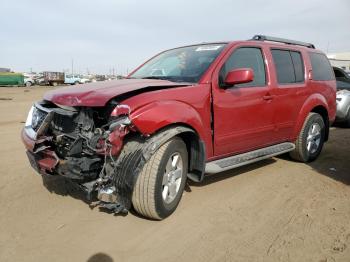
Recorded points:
247,158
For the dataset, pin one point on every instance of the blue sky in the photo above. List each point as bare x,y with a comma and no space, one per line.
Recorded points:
105,34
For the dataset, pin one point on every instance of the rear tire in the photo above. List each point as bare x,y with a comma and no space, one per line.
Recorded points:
309,143
160,184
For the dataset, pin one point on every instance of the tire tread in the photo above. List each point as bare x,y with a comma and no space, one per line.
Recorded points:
143,195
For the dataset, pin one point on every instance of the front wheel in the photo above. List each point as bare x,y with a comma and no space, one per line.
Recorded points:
159,187
310,141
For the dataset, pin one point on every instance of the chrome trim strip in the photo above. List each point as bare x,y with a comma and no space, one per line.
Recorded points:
247,158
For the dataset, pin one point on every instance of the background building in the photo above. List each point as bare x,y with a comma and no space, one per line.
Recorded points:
341,60
4,70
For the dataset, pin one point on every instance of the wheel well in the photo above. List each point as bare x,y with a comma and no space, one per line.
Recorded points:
324,113
196,155
194,144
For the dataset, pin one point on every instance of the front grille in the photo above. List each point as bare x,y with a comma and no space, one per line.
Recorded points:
63,123
38,118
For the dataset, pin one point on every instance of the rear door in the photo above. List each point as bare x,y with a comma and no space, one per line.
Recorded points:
291,90
243,114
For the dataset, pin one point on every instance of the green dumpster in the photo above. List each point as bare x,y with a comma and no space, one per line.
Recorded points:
11,79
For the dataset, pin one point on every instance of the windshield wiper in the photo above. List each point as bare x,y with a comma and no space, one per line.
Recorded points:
155,77
169,78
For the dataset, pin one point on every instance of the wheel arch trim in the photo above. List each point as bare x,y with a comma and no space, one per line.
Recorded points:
313,104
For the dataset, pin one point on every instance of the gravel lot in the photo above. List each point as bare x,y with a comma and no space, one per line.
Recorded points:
275,210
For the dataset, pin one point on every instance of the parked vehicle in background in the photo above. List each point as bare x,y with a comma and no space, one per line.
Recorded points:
100,78
342,78
72,79
11,79
52,78
188,111
76,79
343,96
84,80
28,79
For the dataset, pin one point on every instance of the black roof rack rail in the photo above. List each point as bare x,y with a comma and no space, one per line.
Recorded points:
281,40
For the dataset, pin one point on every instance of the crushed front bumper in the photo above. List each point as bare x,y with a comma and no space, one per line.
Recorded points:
46,162
40,158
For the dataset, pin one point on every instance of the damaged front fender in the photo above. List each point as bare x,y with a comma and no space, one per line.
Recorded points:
122,173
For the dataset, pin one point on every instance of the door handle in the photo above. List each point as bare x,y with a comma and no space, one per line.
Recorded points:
268,97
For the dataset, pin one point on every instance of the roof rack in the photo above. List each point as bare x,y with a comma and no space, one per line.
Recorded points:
281,40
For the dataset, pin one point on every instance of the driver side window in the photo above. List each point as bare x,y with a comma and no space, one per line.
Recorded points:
245,57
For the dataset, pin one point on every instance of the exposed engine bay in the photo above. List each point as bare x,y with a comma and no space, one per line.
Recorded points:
81,144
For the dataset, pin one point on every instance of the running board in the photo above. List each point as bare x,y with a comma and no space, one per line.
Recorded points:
247,158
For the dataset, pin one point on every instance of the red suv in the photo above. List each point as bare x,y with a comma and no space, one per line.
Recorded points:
185,112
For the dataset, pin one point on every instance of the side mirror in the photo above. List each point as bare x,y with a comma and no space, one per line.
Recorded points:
239,76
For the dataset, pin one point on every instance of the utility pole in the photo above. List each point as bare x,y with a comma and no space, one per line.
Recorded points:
72,66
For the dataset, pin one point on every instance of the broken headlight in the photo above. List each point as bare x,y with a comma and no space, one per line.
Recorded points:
120,110
29,117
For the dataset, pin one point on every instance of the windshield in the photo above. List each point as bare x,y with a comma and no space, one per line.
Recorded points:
185,64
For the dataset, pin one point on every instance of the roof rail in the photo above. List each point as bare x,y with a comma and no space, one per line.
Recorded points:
281,40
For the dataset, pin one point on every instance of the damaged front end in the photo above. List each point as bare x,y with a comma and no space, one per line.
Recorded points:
81,144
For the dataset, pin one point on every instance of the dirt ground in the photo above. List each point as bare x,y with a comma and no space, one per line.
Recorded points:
275,210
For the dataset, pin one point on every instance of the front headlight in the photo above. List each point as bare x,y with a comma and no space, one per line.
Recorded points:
29,117
121,110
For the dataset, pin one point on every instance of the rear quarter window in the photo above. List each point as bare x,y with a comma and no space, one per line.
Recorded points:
321,68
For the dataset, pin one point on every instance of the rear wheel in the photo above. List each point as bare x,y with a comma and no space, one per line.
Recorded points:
159,187
310,141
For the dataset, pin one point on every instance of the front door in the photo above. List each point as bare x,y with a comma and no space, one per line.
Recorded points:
244,113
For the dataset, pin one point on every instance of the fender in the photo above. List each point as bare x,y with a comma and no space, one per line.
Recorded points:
136,152
154,116
311,102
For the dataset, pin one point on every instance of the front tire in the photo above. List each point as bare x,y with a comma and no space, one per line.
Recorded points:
160,184
309,143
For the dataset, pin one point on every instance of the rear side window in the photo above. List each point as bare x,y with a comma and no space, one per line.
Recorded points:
246,57
289,66
298,66
321,68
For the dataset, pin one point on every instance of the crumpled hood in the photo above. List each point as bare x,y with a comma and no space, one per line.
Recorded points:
99,93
